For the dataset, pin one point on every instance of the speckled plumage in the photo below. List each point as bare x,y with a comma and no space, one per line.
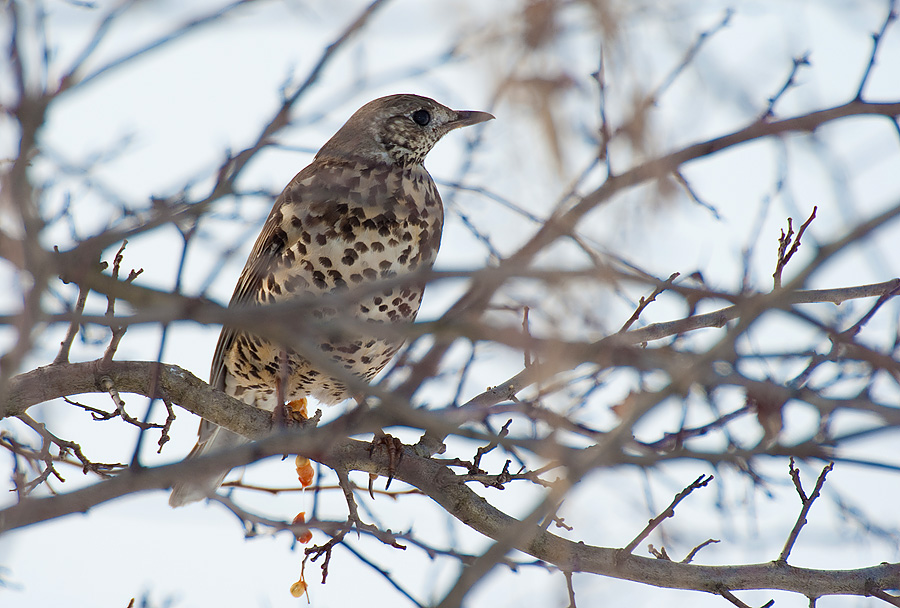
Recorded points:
363,211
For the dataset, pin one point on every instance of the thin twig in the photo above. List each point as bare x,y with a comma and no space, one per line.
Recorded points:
804,511
187,28
570,588
798,62
605,131
682,181
728,595
118,331
688,57
232,167
785,254
395,494
109,386
690,556
670,441
66,345
700,482
529,358
386,574
876,43
854,329
482,450
64,446
645,302
352,508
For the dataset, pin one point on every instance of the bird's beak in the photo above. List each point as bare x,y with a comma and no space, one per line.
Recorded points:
465,118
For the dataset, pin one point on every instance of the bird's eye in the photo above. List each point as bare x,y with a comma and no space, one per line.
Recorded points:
421,117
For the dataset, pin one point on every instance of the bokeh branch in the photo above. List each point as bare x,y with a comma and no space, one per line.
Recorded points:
612,315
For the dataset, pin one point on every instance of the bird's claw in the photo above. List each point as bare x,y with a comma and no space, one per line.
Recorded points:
394,449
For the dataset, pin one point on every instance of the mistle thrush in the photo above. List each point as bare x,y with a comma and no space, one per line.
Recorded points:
365,210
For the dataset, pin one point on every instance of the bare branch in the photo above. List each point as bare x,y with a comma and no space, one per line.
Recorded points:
645,302
785,254
71,79
548,312
690,556
807,503
876,43
798,62
439,483
66,345
700,482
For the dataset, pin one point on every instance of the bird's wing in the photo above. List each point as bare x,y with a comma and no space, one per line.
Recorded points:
316,185
271,241
269,244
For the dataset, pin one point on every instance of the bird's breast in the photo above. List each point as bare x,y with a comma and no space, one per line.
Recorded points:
345,243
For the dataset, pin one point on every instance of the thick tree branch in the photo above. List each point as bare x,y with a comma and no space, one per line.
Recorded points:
328,444
443,486
174,383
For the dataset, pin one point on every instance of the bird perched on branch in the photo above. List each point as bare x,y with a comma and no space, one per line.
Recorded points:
364,211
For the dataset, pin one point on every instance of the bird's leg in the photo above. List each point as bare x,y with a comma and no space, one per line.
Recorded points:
279,413
291,412
394,449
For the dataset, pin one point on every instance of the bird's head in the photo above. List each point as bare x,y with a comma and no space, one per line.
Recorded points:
398,129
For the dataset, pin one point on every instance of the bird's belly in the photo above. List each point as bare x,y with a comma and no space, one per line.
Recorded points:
327,355
359,281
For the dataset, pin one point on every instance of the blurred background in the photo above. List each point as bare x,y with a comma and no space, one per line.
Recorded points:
580,88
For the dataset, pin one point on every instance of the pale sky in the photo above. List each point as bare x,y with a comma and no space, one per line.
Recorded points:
176,111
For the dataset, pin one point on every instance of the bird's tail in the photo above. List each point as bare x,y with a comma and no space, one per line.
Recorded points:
186,492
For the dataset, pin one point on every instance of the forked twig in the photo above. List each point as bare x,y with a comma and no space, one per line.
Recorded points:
807,505
118,331
785,254
645,302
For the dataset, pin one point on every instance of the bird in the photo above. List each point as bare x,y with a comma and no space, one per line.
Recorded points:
364,211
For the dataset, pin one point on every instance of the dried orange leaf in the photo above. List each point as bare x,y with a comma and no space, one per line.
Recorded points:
305,471
305,536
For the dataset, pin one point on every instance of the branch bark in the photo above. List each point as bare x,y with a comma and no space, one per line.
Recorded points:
329,445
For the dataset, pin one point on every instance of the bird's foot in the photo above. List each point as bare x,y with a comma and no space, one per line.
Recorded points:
394,449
